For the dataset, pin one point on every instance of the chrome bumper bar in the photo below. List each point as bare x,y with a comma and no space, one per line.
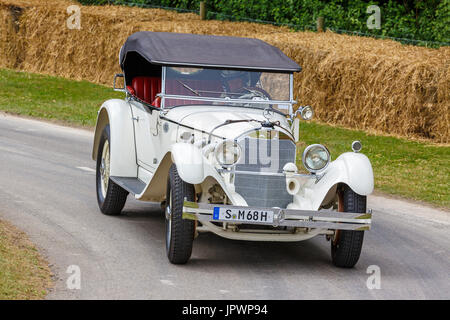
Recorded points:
323,219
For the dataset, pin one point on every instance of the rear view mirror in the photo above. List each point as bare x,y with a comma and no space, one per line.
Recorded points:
119,75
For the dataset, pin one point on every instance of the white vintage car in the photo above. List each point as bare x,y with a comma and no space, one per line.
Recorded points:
208,129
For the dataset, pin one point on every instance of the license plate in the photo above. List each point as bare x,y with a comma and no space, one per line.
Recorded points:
242,215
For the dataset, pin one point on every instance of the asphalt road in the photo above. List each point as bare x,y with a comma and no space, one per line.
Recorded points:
47,188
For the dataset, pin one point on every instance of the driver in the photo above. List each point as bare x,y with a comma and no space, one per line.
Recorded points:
237,81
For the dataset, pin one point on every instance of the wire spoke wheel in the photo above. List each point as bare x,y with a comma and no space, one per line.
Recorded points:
104,168
111,197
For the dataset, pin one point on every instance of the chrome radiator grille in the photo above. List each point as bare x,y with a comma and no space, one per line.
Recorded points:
264,156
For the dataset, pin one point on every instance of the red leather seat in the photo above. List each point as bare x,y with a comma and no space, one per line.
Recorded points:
146,88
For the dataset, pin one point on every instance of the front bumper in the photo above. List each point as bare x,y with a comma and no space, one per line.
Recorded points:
323,219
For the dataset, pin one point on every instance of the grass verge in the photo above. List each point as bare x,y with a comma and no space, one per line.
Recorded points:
52,98
24,274
411,169
415,170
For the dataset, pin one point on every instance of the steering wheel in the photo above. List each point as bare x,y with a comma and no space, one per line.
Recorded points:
254,92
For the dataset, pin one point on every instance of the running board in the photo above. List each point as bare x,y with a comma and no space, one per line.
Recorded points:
132,185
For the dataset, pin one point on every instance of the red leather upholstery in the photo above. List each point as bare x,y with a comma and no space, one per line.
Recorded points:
131,90
146,88
157,102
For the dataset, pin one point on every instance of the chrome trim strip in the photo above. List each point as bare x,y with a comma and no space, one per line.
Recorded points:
262,173
291,87
163,86
176,96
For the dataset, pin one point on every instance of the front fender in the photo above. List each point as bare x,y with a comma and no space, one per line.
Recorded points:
358,172
352,169
189,161
117,113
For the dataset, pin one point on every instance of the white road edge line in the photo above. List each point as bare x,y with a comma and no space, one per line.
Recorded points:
86,169
167,282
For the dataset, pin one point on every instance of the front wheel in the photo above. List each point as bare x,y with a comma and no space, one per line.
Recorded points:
347,244
111,197
179,231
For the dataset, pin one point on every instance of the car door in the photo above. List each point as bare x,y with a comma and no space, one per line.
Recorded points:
146,135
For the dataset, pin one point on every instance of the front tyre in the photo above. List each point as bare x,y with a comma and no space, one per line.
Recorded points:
347,244
110,197
179,231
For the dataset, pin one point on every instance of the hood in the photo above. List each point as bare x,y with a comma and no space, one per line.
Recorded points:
206,118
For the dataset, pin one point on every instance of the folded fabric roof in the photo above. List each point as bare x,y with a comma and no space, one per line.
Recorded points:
185,49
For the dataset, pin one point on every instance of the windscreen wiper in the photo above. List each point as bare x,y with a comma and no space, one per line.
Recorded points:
189,88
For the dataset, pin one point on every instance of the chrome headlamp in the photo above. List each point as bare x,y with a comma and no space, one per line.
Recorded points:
306,112
228,153
316,157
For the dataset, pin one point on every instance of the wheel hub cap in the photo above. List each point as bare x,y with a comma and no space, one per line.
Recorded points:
104,168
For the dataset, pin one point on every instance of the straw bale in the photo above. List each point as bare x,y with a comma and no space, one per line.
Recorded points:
356,82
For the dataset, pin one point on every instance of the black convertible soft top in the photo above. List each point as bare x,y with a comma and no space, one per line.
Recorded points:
184,49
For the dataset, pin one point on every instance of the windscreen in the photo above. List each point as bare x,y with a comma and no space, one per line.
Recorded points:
222,87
